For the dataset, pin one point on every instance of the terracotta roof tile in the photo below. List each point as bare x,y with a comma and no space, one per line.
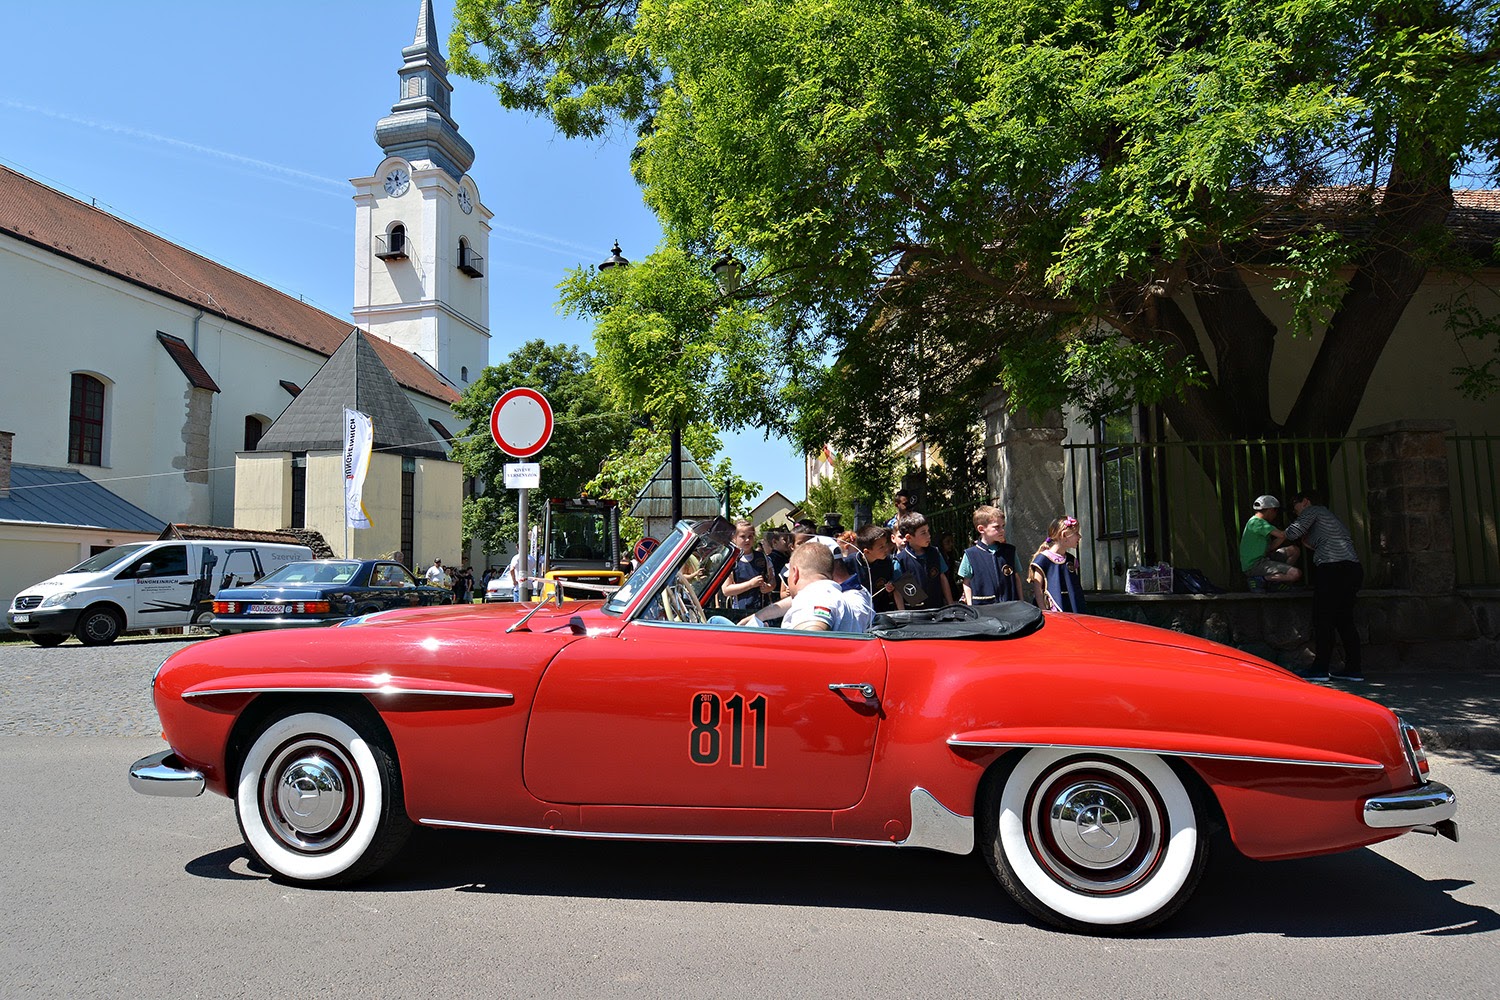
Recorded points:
49,219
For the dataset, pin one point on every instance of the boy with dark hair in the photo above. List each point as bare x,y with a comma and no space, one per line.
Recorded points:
988,568
924,571
874,541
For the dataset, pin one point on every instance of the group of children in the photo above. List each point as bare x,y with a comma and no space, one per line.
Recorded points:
988,569
901,569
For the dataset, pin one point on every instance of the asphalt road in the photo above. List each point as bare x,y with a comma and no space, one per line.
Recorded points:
111,893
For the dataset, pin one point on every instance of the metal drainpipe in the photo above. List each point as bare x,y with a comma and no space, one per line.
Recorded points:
195,332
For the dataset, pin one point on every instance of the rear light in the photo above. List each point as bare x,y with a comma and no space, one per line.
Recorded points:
312,607
1415,755
225,607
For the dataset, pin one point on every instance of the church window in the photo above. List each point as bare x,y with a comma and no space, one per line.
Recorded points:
463,373
255,428
468,261
392,245
299,489
86,421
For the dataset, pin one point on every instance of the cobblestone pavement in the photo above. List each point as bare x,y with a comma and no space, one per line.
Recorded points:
74,690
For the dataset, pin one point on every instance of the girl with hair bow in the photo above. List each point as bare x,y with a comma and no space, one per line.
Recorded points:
1053,573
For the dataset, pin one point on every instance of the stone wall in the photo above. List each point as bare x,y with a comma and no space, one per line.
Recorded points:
1400,630
1411,505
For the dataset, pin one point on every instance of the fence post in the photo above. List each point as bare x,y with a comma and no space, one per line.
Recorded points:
1024,465
1411,505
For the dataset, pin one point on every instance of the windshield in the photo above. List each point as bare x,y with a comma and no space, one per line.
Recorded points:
312,572
579,535
637,580
107,558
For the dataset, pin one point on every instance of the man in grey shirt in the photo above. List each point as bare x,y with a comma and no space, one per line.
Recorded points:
1337,576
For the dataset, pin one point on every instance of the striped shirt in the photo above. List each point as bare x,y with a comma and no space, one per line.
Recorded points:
1325,534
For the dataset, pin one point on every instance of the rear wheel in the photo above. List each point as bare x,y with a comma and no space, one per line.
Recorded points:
319,797
1091,841
99,626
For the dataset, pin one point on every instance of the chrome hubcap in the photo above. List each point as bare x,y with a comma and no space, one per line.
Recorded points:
310,795
1095,826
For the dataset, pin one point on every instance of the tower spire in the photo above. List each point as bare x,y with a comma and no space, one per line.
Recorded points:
420,126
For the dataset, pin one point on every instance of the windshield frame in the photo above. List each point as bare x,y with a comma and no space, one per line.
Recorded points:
126,551
662,567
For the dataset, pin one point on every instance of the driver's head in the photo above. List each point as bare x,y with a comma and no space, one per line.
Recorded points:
810,562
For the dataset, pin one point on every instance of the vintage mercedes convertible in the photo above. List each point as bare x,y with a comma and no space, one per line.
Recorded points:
1087,759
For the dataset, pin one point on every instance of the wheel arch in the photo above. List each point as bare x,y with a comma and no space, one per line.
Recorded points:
263,708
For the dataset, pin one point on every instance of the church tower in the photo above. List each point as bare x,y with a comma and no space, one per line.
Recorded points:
421,233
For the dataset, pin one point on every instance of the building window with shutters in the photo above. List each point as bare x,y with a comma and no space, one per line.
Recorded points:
1119,477
409,510
86,421
299,489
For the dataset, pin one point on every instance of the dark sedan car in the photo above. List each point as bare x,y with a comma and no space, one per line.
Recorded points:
323,592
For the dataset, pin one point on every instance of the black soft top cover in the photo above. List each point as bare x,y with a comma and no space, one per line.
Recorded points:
1005,620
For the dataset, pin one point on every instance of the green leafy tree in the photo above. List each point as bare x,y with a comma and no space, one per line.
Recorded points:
946,196
625,474
587,427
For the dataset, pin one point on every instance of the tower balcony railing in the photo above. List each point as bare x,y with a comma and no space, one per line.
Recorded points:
391,247
470,263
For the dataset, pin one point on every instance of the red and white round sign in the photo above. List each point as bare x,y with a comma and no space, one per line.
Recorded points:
521,422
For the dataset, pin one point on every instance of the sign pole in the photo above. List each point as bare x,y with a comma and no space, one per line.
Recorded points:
525,568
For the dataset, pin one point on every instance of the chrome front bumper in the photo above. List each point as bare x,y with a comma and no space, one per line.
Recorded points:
1432,805
164,773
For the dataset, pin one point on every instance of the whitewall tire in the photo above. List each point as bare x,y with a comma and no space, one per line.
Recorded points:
1093,841
319,798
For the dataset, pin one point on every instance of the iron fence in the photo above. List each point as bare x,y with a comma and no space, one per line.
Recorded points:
1186,502
1475,484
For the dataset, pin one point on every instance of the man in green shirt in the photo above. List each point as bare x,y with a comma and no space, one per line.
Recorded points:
1262,552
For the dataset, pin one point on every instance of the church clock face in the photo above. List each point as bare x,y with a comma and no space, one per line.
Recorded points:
396,182
464,201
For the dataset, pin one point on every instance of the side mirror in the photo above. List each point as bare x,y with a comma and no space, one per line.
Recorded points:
144,569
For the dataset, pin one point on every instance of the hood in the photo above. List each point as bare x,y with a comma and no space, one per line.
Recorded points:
1114,628
498,616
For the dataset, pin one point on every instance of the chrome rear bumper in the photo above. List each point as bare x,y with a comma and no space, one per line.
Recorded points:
164,773
1431,805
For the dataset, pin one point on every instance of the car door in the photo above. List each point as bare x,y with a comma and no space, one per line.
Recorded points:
162,591
393,586
676,714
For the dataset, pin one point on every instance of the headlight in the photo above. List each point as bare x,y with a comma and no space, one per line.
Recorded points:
56,600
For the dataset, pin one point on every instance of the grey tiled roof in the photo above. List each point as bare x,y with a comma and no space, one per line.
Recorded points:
699,499
354,377
41,495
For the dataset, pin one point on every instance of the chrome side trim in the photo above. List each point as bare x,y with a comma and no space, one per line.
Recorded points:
952,742
386,689
1425,806
936,827
749,630
688,837
165,774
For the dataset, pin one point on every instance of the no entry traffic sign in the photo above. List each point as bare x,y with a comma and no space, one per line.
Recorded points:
521,422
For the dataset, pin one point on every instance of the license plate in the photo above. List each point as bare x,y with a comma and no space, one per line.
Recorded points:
20,618
270,609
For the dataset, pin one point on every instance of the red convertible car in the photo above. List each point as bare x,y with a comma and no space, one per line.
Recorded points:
1087,759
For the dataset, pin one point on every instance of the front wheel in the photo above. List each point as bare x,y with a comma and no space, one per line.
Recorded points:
48,640
319,797
99,626
1093,842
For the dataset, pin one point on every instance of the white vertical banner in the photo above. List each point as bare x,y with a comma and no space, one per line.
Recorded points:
359,436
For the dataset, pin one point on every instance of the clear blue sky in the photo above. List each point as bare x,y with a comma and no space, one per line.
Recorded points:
232,129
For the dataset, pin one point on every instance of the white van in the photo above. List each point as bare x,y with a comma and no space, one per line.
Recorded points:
142,585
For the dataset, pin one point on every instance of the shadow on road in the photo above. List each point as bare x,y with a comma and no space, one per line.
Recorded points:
1356,894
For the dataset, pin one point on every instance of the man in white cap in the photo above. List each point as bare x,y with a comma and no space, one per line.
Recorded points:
1263,552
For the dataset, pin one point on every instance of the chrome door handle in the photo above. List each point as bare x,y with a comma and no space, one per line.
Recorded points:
867,690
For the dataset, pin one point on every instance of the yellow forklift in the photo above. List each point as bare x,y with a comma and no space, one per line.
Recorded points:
582,553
